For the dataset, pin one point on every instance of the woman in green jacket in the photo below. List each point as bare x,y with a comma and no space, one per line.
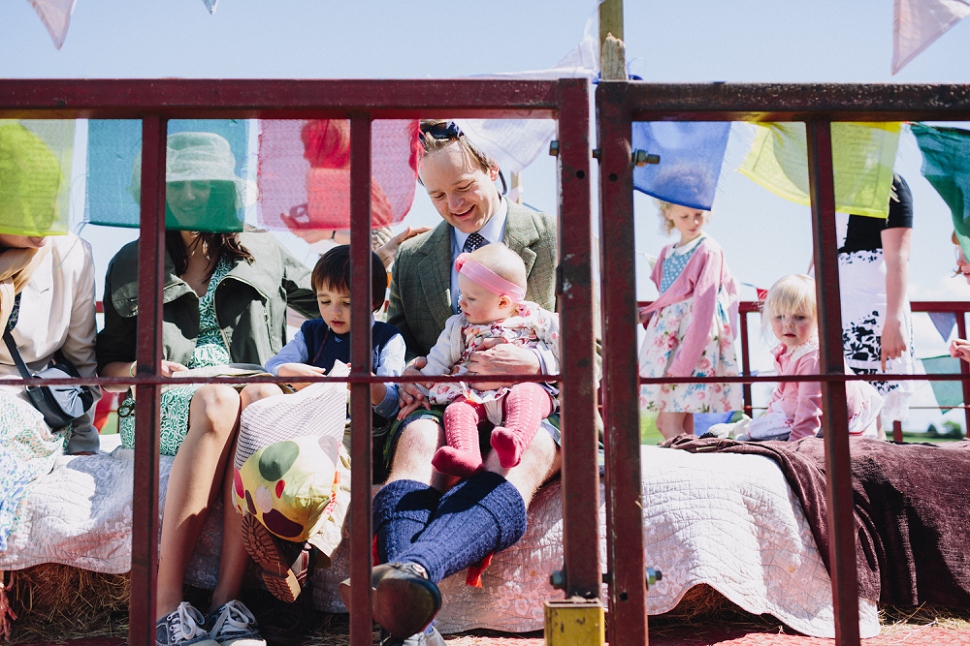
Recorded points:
224,301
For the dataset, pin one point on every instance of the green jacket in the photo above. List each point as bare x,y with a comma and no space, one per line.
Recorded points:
250,305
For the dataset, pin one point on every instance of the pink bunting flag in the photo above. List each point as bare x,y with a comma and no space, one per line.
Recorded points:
56,16
918,23
304,174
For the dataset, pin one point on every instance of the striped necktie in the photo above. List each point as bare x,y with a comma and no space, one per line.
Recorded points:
473,242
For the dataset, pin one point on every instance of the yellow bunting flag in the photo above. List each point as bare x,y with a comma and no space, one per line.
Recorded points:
35,160
862,156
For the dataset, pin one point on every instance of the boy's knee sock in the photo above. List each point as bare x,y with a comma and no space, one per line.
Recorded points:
481,515
402,509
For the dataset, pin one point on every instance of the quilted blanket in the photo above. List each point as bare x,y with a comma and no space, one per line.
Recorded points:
729,521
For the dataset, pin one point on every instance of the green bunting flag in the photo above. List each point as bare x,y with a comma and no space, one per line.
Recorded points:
946,165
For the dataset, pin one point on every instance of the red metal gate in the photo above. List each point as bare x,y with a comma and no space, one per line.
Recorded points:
618,103
155,102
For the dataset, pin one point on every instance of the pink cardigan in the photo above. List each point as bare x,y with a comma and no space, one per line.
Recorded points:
800,401
703,277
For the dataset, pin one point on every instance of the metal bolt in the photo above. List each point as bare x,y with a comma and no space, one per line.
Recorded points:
642,158
653,575
558,580
596,152
554,148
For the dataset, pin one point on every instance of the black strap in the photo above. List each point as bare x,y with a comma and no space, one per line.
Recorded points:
15,354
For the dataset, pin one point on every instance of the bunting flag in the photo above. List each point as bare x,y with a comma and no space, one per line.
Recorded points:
946,165
691,154
56,16
113,191
918,23
949,394
516,143
211,5
944,322
862,156
35,164
304,174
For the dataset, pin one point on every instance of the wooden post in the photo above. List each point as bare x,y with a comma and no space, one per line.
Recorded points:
612,49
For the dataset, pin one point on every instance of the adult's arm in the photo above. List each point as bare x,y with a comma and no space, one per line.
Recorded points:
895,245
116,341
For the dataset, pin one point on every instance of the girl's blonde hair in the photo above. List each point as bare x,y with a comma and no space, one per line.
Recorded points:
666,224
790,295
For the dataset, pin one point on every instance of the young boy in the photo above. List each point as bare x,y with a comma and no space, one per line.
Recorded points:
321,342
313,351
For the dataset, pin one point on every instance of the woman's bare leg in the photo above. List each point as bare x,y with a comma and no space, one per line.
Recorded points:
196,479
673,424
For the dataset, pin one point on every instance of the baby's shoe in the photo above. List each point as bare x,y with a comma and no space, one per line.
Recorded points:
234,625
183,627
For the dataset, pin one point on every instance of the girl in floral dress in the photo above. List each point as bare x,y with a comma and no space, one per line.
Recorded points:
492,280
690,327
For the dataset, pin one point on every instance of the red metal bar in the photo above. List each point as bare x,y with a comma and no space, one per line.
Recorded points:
965,370
580,473
745,362
842,562
280,99
793,102
361,624
151,265
624,499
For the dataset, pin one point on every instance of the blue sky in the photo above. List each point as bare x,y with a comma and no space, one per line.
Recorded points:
684,41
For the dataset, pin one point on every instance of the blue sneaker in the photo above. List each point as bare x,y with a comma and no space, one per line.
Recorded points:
234,625
183,627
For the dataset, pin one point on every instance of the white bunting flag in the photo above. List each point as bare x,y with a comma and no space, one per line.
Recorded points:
918,23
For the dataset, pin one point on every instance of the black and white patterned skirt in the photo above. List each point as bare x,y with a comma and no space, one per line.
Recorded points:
862,281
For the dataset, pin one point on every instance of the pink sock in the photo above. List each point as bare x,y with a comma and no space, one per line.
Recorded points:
525,408
462,456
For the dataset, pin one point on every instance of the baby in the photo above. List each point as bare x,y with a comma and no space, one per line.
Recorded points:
492,281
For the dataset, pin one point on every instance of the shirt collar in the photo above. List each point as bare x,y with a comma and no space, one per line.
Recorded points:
493,231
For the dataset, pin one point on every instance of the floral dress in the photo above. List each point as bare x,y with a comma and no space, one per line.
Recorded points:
666,332
28,449
210,350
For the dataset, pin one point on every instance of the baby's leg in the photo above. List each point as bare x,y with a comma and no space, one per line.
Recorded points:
525,408
462,456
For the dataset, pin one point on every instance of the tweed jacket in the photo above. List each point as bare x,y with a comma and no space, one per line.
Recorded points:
420,300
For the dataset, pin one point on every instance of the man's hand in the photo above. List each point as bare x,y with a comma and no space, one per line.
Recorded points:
410,395
893,343
501,357
300,370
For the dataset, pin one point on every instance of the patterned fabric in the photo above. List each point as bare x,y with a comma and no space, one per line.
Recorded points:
28,450
210,350
674,264
862,278
288,463
473,242
527,328
664,334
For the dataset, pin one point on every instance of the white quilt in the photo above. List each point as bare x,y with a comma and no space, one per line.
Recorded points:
726,520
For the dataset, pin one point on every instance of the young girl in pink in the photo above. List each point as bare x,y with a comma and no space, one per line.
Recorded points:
492,281
691,326
795,409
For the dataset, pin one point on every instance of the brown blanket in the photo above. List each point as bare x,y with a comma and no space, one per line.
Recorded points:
912,512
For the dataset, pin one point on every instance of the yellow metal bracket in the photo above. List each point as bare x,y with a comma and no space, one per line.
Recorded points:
575,622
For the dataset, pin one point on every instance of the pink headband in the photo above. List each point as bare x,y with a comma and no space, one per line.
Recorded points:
487,278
